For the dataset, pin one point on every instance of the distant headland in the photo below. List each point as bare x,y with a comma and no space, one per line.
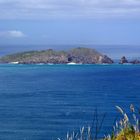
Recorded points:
78,55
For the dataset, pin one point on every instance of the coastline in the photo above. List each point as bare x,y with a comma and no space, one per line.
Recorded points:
38,64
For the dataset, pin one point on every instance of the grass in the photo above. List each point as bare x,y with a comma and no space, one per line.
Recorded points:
124,129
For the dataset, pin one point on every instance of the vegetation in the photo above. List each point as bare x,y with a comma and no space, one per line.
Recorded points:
124,129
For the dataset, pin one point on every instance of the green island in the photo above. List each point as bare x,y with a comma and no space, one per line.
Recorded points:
73,56
78,55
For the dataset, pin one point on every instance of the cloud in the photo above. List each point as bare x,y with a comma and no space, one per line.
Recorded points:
12,34
44,9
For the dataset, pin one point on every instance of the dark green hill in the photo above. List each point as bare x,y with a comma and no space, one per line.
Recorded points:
76,55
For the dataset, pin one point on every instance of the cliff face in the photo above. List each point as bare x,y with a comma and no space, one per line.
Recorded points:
77,55
87,56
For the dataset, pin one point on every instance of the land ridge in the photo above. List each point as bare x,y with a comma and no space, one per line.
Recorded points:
78,55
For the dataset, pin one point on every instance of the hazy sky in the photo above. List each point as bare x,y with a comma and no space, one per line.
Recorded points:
70,22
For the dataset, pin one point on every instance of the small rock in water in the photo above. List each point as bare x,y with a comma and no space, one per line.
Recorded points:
123,60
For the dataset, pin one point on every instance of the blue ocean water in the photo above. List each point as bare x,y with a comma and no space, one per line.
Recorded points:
44,102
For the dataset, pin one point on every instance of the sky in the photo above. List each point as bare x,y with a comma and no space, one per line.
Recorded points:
101,22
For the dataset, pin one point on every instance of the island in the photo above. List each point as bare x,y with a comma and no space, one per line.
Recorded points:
78,55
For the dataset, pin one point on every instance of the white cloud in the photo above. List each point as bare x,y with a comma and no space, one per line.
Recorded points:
12,34
44,9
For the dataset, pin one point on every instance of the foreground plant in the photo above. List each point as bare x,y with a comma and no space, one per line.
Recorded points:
125,129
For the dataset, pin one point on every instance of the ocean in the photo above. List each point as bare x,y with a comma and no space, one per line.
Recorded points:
44,102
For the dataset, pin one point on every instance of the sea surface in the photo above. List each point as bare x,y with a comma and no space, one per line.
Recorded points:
44,102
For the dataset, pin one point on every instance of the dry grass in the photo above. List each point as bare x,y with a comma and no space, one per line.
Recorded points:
125,129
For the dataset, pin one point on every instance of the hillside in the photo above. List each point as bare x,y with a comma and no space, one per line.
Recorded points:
76,55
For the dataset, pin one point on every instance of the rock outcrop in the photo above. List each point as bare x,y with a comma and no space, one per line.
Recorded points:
135,61
123,60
